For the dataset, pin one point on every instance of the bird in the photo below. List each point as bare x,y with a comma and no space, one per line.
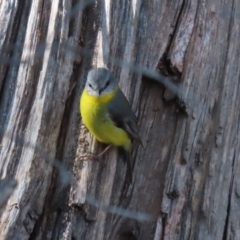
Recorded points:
107,114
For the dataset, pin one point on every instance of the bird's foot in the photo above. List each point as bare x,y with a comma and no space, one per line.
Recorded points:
91,157
95,157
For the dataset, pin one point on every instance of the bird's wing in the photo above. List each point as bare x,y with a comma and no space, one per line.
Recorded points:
122,115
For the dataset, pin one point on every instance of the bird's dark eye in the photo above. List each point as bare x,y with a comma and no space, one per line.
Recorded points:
90,85
107,84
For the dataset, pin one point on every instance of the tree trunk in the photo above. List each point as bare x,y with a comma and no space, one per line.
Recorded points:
185,178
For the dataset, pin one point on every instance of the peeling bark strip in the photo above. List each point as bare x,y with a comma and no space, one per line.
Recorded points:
185,178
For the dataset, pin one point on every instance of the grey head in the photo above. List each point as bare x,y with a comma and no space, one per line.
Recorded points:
100,82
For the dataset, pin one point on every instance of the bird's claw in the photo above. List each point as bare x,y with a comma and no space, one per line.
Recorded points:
91,157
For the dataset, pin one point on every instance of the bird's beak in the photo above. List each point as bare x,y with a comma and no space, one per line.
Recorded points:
100,91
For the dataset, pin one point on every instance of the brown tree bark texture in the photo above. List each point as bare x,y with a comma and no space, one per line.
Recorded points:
186,175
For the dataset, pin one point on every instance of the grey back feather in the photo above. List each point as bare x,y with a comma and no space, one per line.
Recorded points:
122,115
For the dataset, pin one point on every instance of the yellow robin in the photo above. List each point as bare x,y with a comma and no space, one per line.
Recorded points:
107,113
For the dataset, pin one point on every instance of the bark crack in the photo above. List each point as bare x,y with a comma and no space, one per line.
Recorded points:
163,225
225,232
165,66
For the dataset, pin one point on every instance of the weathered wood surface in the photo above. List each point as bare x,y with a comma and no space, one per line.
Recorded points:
7,187
186,176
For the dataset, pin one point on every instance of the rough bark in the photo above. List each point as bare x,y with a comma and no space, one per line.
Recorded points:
185,178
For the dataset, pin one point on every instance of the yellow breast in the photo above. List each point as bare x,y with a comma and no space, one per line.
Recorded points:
94,111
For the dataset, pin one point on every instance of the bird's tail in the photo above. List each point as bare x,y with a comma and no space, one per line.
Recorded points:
126,156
